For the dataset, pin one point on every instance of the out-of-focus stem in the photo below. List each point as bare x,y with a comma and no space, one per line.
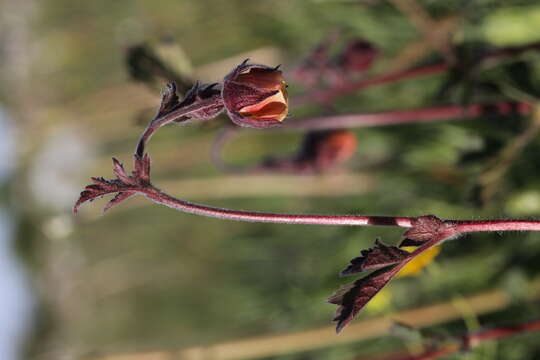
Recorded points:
398,117
216,153
470,340
327,95
387,118
491,177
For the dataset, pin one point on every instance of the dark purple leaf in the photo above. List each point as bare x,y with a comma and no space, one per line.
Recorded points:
124,185
119,171
426,228
169,99
353,297
379,256
121,196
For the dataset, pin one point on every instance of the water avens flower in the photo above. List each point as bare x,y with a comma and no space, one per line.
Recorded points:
255,95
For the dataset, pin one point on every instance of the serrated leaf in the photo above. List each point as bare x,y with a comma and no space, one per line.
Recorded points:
379,256
353,297
124,185
119,171
169,99
121,196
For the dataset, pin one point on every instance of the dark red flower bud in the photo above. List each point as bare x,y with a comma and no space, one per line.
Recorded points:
358,55
255,96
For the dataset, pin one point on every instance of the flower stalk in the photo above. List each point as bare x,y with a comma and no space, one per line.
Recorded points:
255,96
107,187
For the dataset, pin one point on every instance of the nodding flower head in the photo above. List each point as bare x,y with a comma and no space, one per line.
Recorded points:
255,95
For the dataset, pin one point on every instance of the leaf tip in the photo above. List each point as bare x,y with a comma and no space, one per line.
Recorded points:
340,326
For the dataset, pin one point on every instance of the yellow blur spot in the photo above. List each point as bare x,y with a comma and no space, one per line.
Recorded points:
380,302
421,261
513,25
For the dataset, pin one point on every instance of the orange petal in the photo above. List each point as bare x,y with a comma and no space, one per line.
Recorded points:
273,107
271,111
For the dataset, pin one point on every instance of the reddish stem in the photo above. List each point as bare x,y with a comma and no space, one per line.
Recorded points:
471,340
162,198
500,332
467,226
457,226
398,117
326,95
179,115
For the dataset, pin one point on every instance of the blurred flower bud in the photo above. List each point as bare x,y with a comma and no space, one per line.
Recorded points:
325,149
358,55
255,96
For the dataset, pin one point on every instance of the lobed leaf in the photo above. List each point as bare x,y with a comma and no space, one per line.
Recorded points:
124,185
353,297
379,256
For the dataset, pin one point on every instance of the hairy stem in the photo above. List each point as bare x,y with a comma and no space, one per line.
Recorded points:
181,114
162,198
458,226
468,226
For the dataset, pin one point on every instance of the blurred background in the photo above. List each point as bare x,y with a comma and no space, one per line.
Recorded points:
81,79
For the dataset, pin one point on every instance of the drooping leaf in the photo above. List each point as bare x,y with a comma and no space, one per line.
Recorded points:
379,256
427,231
353,297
